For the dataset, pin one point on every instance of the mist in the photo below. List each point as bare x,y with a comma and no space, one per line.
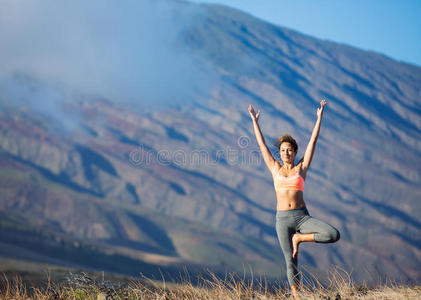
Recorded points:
128,51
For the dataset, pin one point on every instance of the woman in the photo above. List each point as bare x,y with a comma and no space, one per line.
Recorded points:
294,225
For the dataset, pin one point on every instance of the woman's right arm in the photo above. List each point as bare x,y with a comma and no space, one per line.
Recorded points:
267,155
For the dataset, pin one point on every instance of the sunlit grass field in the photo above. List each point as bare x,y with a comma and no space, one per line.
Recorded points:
209,286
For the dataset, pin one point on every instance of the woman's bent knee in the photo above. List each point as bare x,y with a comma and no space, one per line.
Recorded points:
336,236
331,236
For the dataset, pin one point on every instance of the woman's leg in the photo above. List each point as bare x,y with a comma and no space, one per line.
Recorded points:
314,230
285,230
323,232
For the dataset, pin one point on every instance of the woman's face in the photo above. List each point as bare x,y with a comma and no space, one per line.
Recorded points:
287,152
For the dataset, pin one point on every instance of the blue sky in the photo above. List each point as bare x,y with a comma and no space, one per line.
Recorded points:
80,43
390,27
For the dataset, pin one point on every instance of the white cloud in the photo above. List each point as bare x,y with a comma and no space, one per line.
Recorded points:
125,50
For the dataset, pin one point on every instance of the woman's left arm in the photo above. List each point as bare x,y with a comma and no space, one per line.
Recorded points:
308,155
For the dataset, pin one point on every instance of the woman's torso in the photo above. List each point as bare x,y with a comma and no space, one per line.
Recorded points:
287,198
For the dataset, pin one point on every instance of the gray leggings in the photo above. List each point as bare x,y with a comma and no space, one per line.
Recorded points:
298,220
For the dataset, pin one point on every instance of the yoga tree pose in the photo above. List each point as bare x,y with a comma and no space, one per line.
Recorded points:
294,225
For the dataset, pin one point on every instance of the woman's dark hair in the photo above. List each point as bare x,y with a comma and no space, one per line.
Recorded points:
287,139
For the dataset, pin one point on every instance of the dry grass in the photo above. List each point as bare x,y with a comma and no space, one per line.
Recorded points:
233,286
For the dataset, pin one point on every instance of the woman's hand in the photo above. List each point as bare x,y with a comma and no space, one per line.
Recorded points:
308,154
253,114
321,108
267,155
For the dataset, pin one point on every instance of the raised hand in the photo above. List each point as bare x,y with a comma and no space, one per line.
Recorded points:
253,114
321,108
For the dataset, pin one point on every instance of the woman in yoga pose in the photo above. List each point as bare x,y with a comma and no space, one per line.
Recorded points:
294,225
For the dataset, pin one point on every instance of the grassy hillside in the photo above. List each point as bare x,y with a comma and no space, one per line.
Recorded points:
233,286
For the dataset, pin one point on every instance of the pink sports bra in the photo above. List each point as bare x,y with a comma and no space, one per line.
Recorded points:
295,182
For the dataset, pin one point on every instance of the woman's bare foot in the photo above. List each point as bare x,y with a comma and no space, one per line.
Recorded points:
297,238
294,291
295,242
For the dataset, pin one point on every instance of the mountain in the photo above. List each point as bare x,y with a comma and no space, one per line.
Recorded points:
97,182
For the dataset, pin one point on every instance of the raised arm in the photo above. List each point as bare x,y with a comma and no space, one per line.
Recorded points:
267,155
308,155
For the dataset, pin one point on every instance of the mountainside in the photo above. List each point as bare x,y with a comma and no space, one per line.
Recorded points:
186,185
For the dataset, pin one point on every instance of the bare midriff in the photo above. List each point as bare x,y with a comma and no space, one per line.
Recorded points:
289,199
